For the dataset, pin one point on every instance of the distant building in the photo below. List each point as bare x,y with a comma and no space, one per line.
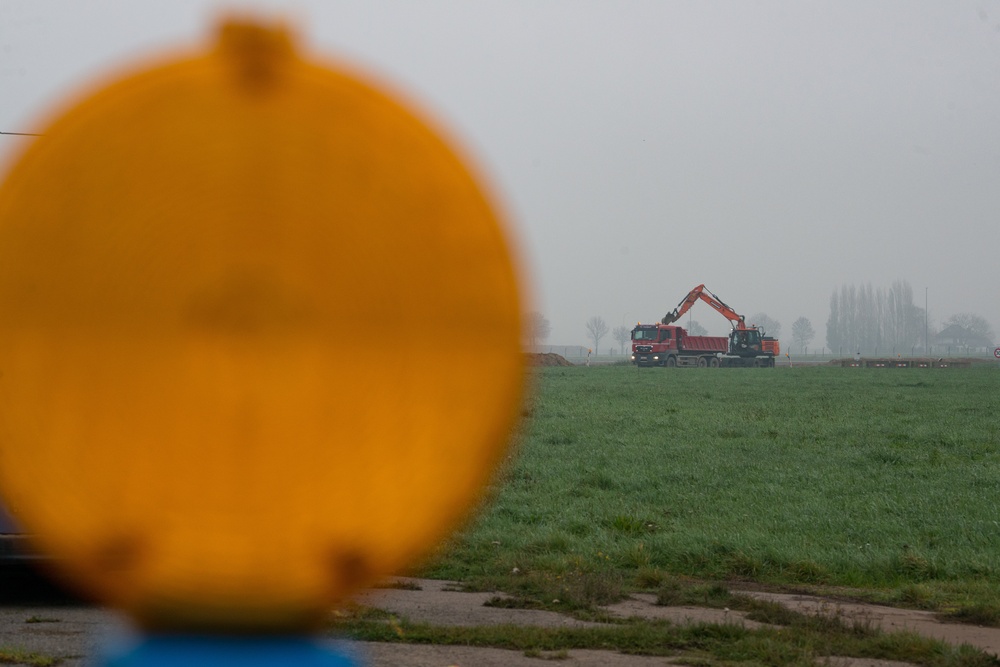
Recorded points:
955,336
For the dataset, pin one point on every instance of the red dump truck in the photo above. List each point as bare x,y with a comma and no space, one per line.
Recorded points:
667,345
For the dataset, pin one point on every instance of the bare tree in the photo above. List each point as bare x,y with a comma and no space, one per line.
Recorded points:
596,329
622,336
770,326
694,328
536,328
802,333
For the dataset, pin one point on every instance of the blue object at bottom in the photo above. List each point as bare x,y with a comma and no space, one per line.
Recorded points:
197,651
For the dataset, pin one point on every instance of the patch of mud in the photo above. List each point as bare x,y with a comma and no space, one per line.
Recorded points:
442,603
643,605
413,655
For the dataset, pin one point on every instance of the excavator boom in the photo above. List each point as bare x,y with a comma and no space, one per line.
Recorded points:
701,292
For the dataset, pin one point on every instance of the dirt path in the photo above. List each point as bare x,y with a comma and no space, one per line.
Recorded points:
892,619
440,603
74,633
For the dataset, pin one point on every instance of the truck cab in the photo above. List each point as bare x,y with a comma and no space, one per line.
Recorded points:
651,342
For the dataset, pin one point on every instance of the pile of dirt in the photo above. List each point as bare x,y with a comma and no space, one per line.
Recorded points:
548,359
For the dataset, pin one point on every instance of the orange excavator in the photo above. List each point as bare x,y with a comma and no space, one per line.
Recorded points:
744,340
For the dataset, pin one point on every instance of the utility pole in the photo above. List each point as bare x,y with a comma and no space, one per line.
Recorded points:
927,344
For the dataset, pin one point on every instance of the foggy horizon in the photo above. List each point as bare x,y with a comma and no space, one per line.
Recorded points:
774,151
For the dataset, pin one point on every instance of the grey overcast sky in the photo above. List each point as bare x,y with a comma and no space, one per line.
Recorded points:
771,150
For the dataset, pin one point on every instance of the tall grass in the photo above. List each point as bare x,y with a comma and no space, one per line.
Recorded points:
870,478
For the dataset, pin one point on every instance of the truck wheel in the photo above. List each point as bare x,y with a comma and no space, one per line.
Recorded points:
714,363
670,362
702,362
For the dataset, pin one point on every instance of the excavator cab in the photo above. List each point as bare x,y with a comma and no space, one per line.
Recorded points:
745,342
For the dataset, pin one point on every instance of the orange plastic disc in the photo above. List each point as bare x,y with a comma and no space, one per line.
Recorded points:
259,341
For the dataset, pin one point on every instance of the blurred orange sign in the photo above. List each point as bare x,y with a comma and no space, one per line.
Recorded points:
259,339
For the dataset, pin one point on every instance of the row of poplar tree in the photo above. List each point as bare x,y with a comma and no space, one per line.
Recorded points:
869,320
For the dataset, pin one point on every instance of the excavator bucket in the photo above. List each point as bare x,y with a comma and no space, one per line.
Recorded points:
670,318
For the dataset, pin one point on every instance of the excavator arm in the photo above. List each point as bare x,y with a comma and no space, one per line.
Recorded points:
701,292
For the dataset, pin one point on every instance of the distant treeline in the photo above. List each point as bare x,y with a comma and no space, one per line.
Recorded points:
868,320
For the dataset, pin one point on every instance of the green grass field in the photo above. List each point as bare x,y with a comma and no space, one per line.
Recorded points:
886,482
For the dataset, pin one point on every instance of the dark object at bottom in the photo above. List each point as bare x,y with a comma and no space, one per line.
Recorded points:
24,579
208,651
